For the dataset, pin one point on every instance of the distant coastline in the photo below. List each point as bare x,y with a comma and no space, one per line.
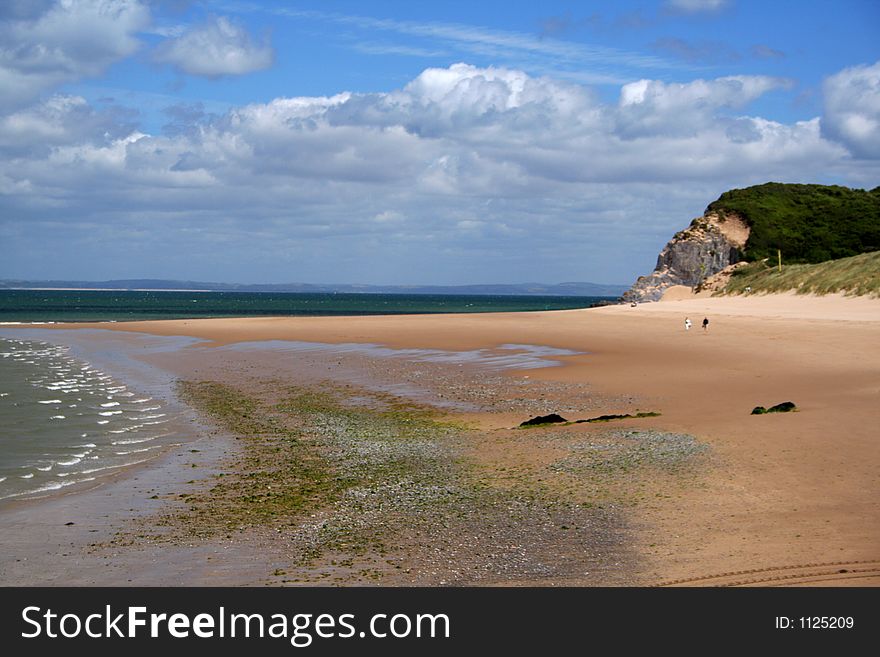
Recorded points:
105,289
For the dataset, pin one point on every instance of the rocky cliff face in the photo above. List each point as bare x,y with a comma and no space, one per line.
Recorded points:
711,243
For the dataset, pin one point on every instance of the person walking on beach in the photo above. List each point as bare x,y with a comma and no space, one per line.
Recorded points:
687,323
705,324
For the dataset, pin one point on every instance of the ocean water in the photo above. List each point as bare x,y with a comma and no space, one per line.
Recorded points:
67,421
101,305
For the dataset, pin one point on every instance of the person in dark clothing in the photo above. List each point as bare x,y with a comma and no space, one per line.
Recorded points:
705,323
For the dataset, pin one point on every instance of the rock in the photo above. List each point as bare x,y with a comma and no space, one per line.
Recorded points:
710,244
553,418
626,416
784,407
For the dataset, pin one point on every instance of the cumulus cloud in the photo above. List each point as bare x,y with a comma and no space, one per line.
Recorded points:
216,48
652,106
852,109
43,44
463,174
59,121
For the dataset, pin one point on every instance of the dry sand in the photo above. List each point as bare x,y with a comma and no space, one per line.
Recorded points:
792,498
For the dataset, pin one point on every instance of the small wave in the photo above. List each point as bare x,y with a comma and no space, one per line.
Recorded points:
109,404
54,485
151,408
57,417
108,413
46,469
134,427
114,467
2,479
141,401
133,441
50,401
134,451
101,469
88,445
71,462
103,421
152,417
29,475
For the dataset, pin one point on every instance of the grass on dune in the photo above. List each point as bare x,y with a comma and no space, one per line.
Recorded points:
854,276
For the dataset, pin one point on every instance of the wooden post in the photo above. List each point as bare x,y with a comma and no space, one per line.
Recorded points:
779,259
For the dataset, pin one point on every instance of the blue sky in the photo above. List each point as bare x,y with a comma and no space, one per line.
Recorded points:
401,142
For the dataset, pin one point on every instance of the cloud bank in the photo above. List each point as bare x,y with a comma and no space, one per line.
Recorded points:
464,174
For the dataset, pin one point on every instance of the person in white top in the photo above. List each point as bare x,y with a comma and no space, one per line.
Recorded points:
687,324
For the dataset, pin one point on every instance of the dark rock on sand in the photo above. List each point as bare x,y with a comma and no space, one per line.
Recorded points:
553,418
784,407
607,418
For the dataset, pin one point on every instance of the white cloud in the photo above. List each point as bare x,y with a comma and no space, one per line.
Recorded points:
696,6
61,120
652,106
215,48
852,109
462,174
45,44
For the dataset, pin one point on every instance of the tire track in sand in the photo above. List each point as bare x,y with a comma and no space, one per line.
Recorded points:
791,575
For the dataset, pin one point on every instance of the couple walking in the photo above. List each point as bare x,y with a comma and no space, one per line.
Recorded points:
687,324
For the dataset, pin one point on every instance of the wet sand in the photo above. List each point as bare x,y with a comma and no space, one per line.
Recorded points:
781,499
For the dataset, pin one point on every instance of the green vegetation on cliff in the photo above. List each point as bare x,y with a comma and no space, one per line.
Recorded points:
809,223
858,275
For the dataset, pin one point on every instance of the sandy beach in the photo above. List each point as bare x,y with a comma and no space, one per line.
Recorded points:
701,493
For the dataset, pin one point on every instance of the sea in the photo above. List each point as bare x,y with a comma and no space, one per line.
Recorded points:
77,406
123,305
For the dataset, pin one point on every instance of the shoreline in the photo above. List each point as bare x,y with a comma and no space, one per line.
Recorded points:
801,498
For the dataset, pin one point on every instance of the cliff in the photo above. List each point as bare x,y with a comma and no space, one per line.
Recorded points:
803,223
711,243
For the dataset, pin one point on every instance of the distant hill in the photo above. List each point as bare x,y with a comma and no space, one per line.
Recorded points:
808,223
523,289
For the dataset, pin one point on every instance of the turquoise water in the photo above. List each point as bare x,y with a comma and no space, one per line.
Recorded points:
99,305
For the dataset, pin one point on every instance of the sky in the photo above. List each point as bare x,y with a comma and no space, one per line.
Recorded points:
411,142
